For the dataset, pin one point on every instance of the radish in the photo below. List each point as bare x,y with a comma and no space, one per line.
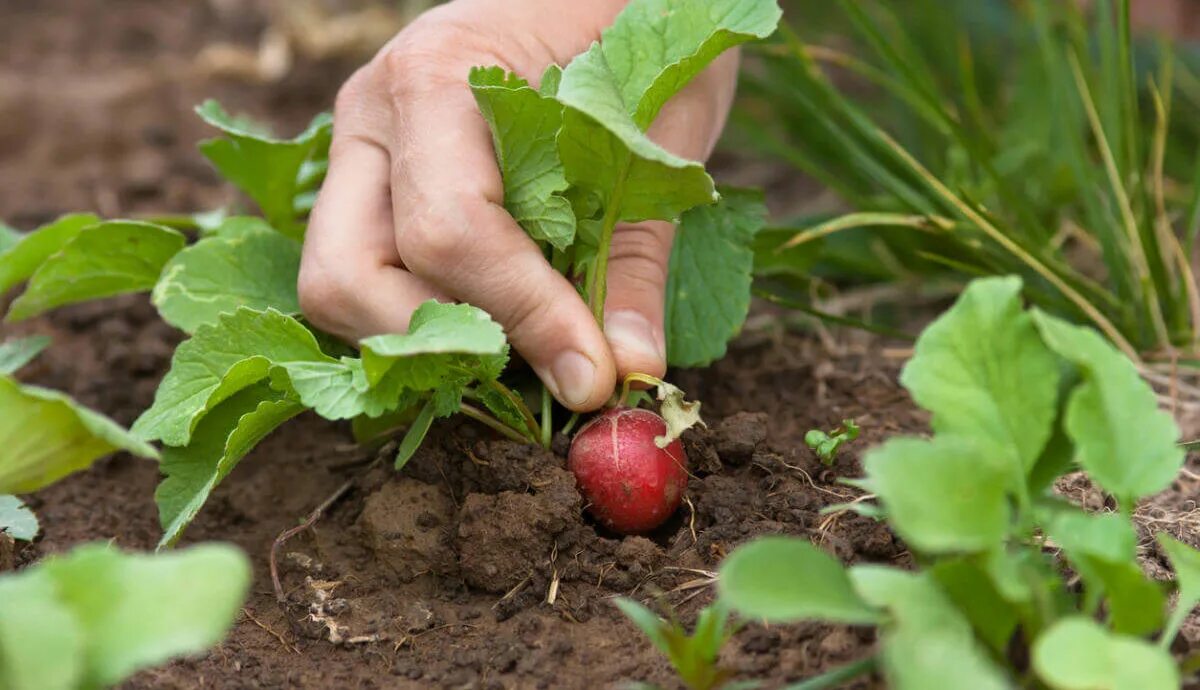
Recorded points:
629,468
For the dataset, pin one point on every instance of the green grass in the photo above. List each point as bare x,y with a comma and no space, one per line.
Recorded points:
970,139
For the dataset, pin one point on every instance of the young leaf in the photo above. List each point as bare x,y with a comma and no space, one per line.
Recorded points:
524,126
613,91
22,258
1078,654
41,642
446,344
416,434
784,580
1103,549
927,643
218,361
250,267
1121,437
9,237
102,260
970,512
1185,561
15,354
17,519
983,372
222,438
111,614
45,435
267,170
708,284
970,588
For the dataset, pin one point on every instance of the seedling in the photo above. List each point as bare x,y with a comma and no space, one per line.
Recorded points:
826,445
1018,398
94,617
694,657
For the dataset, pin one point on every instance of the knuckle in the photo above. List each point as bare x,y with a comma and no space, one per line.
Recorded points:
430,242
640,256
324,294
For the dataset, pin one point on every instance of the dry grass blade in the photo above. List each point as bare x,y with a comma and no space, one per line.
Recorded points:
867,220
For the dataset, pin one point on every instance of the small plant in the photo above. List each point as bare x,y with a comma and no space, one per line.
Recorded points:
694,657
826,445
94,617
1018,398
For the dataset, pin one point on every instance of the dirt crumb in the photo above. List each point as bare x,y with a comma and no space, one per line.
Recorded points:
738,436
407,523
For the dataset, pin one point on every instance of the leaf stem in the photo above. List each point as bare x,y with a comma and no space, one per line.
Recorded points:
639,378
566,430
494,424
534,429
546,420
837,676
598,289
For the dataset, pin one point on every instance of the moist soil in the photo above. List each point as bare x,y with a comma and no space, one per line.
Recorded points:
475,567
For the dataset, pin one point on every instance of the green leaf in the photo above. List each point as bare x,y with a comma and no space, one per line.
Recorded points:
102,260
971,590
136,611
1185,561
224,436
19,260
268,170
655,629
614,90
446,344
1121,437
41,643
1103,549
17,519
220,360
928,643
1077,654
708,284
944,495
983,371
339,390
15,354
415,434
45,435
782,579
9,237
655,47
246,267
524,127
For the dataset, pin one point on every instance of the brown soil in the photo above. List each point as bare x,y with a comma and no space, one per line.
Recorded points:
475,567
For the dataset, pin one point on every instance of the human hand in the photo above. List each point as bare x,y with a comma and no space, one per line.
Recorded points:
412,206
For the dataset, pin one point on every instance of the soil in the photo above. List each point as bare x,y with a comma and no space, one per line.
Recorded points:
475,567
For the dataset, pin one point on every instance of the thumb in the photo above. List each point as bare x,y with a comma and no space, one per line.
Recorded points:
633,312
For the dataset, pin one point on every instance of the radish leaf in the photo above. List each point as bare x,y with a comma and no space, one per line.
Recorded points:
1121,437
17,519
46,435
220,441
252,267
102,260
524,126
1078,654
15,354
93,617
708,284
19,260
271,171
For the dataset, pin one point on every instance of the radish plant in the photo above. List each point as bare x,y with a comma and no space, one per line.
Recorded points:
575,160
1014,585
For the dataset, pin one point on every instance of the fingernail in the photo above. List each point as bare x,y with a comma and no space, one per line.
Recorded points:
574,378
630,331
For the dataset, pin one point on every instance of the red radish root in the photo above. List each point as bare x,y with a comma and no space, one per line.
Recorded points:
631,484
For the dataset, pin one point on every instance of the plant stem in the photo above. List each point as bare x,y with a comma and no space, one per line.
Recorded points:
598,289
534,429
493,423
546,421
837,676
640,378
566,430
